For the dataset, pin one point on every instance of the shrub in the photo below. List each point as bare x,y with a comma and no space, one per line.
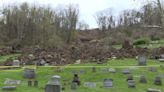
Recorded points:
141,41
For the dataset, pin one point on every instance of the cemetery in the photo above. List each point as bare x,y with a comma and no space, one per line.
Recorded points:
46,46
112,76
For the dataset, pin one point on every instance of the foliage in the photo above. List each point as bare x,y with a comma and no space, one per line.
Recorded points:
141,41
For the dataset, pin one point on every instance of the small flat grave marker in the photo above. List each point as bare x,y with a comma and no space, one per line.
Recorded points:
108,83
90,84
131,84
126,71
12,82
153,90
8,88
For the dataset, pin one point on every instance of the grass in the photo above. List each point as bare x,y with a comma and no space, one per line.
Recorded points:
120,85
11,56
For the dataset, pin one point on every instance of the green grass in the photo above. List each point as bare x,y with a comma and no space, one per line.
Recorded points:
120,84
11,56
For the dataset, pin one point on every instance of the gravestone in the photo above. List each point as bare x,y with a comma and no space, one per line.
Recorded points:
152,69
74,86
126,71
90,84
153,90
131,84
74,71
29,83
93,69
112,70
53,85
130,77
142,79
8,88
76,79
12,82
158,80
141,60
29,73
35,83
16,63
82,71
108,83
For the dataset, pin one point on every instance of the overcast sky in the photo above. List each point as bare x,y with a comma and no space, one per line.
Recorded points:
88,8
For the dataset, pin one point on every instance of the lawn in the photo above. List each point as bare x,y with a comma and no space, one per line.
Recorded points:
120,85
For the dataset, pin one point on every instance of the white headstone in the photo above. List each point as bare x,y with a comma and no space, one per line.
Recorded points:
16,63
141,60
55,80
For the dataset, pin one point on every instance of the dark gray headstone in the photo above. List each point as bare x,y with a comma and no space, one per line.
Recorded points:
131,84
74,86
108,83
52,88
29,73
130,77
93,69
142,79
53,85
8,88
76,79
152,69
141,60
158,80
35,83
29,83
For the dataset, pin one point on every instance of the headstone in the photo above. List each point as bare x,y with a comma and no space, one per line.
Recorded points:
90,84
12,82
141,60
8,88
29,83
131,84
76,79
153,90
126,71
74,86
108,83
29,73
55,80
52,88
16,63
82,71
112,70
74,71
35,83
158,80
93,69
152,69
142,79
53,85
130,77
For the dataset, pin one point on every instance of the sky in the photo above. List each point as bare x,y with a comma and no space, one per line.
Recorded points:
88,8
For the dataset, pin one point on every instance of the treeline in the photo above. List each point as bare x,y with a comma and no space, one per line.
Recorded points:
149,14
30,25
